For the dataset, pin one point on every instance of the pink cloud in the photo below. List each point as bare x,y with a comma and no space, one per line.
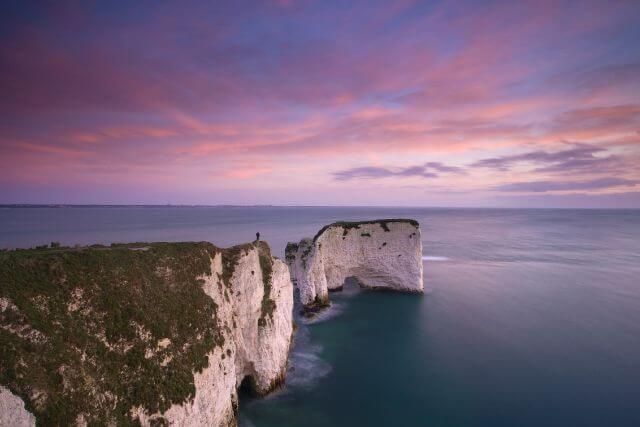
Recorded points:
243,172
173,94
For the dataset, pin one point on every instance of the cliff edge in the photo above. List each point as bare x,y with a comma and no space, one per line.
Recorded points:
380,254
140,334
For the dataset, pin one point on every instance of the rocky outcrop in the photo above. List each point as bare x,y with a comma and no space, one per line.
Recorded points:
192,322
380,254
13,412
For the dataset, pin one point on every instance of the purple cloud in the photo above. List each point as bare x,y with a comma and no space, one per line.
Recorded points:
547,186
374,172
443,168
579,157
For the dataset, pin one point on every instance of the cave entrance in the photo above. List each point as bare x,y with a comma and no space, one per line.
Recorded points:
352,282
351,285
247,389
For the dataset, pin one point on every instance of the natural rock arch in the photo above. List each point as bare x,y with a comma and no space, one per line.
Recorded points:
380,254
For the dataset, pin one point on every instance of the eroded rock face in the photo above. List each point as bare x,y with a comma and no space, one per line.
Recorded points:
253,300
13,412
258,342
380,254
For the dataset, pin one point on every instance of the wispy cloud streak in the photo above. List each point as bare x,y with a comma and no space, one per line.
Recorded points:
581,157
427,170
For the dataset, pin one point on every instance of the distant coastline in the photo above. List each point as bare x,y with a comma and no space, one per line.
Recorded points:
57,205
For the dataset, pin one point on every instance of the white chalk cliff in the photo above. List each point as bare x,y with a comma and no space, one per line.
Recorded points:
380,254
257,350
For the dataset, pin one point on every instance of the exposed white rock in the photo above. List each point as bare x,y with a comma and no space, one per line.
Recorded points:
253,348
13,412
380,254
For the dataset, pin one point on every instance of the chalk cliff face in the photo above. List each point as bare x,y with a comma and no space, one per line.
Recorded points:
227,318
380,254
13,412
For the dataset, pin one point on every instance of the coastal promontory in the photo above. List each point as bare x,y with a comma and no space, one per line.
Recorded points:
140,334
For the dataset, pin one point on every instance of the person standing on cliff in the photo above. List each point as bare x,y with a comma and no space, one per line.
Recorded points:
258,236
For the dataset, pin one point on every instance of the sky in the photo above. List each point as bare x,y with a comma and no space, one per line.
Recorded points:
377,103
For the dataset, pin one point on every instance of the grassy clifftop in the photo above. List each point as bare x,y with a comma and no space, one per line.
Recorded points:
99,330
347,225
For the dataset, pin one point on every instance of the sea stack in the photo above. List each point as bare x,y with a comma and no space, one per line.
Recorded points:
383,254
156,334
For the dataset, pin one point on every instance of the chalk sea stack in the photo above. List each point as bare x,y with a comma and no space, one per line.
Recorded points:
140,334
383,254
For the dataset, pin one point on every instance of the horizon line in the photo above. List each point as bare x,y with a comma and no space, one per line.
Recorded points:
223,205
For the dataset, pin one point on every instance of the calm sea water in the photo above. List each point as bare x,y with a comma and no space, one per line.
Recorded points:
530,317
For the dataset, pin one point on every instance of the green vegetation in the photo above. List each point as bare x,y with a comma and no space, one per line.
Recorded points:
305,255
99,330
266,265
230,258
290,252
347,225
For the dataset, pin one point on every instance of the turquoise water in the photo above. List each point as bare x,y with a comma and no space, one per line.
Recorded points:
530,317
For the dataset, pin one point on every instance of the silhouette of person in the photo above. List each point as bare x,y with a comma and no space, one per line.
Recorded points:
258,236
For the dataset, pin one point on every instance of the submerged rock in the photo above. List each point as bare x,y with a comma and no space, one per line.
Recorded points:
381,254
161,336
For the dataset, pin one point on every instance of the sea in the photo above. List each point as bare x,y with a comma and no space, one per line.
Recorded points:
529,317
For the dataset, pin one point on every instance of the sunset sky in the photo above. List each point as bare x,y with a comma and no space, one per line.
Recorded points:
404,103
